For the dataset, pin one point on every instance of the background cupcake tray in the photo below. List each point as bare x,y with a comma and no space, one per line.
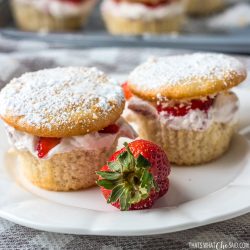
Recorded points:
213,33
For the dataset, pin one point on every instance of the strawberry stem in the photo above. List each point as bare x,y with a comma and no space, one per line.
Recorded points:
129,179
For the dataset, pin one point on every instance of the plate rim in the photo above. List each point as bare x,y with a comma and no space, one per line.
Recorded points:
94,221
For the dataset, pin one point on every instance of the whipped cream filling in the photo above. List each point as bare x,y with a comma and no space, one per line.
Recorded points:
224,110
58,8
141,11
89,142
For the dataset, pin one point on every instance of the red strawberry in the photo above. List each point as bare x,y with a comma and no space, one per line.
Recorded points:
111,129
201,104
128,94
176,110
181,109
45,144
135,176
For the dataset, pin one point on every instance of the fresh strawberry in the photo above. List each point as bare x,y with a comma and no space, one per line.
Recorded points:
181,109
111,129
45,144
135,176
176,110
128,94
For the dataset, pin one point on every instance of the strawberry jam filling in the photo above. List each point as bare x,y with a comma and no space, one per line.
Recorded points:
111,129
73,1
152,5
181,109
127,93
45,144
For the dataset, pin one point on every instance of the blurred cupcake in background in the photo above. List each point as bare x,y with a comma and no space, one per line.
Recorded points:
51,15
135,17
5,16
203,7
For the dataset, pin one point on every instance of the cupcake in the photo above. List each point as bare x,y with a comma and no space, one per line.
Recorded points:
51,15
142,16
184,104
64,124
203,7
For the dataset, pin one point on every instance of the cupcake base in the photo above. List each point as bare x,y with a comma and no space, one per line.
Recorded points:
186,147
29,18
122,26
65,172
203,7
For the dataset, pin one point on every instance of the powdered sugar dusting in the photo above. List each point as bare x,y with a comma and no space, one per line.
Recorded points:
183,69
52,97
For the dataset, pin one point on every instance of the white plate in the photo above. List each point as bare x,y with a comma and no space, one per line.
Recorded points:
198,195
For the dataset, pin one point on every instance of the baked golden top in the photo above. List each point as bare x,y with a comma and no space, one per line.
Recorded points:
186,76
61,102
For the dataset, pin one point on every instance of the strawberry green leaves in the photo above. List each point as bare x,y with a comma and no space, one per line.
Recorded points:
116,192
114,166
142,161
127,160
110,179
125,199
109,175
128,178
106,184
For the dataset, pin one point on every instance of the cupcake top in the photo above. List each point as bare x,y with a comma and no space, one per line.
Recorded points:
61,102
186,76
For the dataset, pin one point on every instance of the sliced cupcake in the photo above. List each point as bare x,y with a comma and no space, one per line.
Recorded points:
184,104
142,16
64,124
51,15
